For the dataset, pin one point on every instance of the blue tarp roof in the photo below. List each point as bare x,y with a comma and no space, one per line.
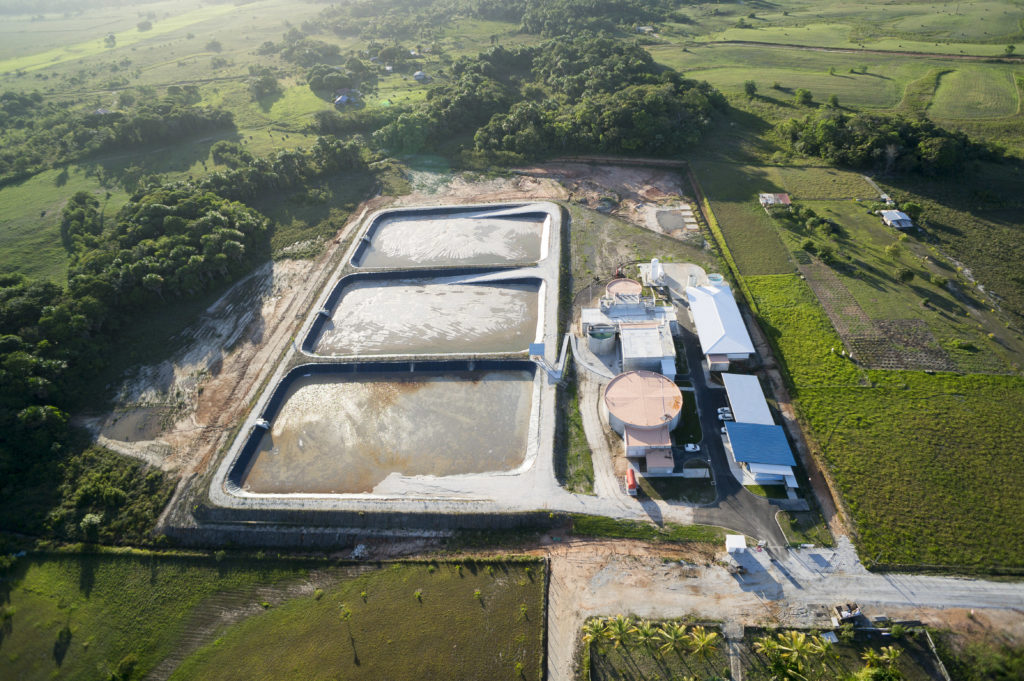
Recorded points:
757,443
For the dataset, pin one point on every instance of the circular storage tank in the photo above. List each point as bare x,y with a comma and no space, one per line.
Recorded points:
643,400
623,287
601,339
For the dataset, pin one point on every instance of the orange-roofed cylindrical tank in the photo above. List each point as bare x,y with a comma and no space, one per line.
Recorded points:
623,287
642,400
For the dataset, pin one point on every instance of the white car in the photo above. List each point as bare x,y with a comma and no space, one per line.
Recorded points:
724,431
724,410
691,448
725,417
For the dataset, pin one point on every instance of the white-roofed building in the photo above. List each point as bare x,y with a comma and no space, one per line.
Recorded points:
746,399
723,335
897,219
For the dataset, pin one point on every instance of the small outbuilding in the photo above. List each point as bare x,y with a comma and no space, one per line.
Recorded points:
735,543
420,77
897,219
770,201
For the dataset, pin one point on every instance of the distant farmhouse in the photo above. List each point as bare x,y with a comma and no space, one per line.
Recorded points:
770,201
897,219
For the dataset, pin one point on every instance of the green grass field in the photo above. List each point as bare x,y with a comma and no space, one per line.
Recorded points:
804,183
80,616
925,463
91,616
749,232
30,227
975,92
405,621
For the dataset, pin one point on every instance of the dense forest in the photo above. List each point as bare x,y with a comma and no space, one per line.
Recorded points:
584,94
406,19
882,143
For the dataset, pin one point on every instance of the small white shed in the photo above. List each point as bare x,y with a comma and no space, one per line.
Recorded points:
735,543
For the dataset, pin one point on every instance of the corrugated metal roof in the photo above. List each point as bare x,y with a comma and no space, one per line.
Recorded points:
757,443
747,400
719,325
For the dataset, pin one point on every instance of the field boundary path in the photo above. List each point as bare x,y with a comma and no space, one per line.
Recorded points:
864,50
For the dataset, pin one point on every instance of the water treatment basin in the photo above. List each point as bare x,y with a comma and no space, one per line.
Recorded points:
339,430
450,236
380,315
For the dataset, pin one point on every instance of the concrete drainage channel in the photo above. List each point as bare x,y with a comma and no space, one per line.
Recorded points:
411,405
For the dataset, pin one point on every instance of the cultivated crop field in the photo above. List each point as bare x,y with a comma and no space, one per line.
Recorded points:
925,462
975,92
76,616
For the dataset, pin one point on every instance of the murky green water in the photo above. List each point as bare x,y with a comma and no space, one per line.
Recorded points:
345,434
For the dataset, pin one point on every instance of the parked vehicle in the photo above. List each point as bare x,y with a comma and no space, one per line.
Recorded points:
724,410
631,486
724,431
725,417
691,448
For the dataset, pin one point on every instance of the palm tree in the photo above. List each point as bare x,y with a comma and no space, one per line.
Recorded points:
767,646
703,642
890,655
594,632
646,633
674,636
794,648
620,631
871,658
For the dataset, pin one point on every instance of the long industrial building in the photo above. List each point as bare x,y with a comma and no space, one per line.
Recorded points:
723,335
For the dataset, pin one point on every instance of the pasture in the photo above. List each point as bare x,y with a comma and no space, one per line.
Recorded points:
924,462
975,92
404,621
30,240
79,616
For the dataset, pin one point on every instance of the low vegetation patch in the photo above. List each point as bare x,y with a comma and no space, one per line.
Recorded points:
68,616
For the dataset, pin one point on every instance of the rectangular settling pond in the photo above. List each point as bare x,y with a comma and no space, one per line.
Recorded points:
426,316
454,236
333,430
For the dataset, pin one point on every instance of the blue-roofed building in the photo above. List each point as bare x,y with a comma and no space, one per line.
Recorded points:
763,451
